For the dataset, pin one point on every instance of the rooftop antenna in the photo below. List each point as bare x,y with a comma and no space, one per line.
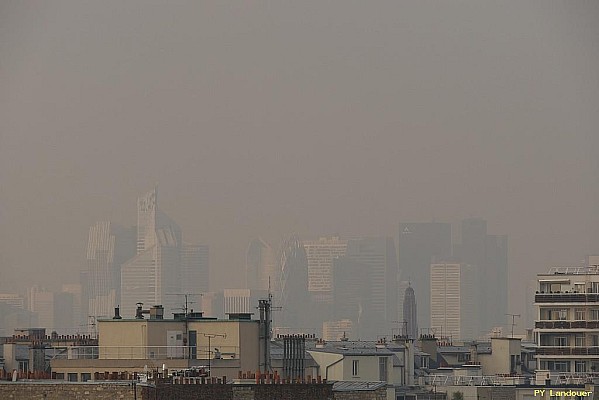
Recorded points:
513,321
186,311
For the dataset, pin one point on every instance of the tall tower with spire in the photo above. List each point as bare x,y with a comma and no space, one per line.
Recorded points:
409,313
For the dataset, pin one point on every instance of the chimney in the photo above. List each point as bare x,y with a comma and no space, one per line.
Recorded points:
139,311
117,313
157,312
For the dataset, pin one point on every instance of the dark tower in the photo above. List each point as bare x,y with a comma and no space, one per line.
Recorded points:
409,314
420,244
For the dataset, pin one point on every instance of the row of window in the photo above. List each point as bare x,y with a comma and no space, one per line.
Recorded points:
564,341
564,366
580,314
577,287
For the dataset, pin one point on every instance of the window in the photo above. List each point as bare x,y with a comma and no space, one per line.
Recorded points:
579,314
579,341
594,314
86,377
561,366
594,287
72,377
580,366
595,340
383,369
23,366
562,315
560,341
355,367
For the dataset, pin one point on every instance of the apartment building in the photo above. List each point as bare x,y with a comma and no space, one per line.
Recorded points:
567,319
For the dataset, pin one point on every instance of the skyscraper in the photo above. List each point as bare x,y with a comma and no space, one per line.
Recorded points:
195,268
419,245
261,268
320,254
489,253
108,247
352,292
378,256
410,316
153,276
454,300
294,298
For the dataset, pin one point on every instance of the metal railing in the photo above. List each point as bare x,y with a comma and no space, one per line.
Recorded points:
148,352
566,297
567,324
576,378
567,351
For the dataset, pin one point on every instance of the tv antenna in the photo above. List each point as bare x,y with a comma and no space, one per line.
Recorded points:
513,321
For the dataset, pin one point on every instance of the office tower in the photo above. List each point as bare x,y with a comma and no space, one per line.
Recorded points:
454,300
294,298
420,244
410,316
378,256
108,247
153,276
489,253
261,268
567,314
333,331
13,314
236,301
41,302
401,293
352,294
320,255
64,322
195,269
74,289
12,300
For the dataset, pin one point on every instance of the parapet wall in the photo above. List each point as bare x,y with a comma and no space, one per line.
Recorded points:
240,392
58,390
64,390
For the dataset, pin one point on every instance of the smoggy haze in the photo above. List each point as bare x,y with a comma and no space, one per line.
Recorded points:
269,118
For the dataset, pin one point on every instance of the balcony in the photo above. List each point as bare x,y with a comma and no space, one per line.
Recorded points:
567,351
567,298
567,325
147,353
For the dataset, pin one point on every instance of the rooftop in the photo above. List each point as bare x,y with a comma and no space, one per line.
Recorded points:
574,270
347,386
350,348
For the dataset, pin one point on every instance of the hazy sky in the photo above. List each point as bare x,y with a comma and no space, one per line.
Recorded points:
315,117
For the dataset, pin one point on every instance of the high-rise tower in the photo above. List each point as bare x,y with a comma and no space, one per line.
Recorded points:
261,266
294,297
489,253
108,247
454,300
320,255
156,269
419,245
409,313
195,268
378,256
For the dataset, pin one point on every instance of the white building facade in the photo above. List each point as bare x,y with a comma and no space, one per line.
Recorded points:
567,319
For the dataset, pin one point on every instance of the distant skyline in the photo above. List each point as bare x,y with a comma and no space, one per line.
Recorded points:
316,119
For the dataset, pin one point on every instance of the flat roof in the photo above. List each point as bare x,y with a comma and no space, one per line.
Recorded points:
347,386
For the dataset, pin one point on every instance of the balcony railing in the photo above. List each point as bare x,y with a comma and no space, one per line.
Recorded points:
567,297
567,324
148,352
567,351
